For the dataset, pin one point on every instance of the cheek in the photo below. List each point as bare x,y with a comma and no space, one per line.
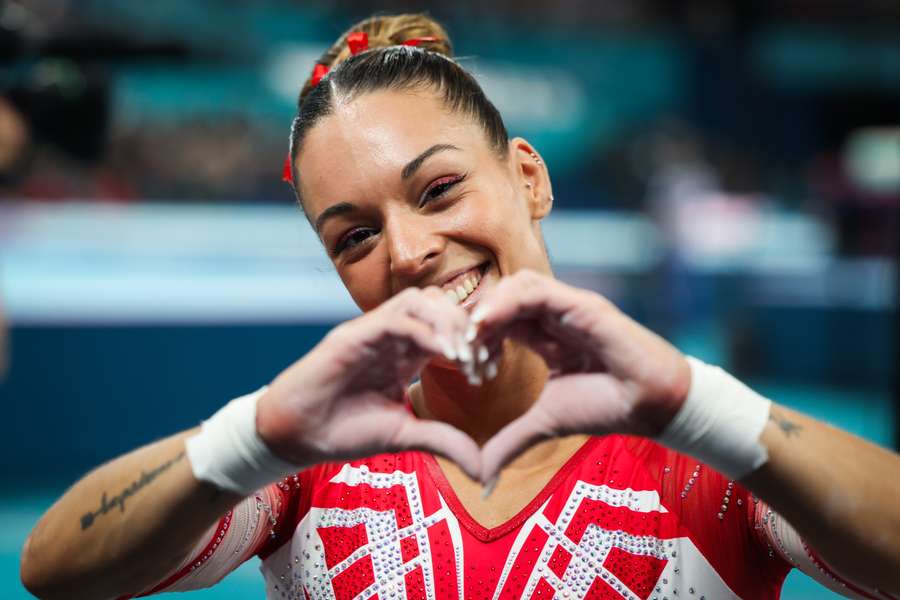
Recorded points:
501,222
364,281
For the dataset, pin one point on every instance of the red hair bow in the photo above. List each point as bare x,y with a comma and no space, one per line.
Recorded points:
286,175
319,71
358,41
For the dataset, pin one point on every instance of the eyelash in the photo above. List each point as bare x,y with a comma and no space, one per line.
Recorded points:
441,185
344,242
444,184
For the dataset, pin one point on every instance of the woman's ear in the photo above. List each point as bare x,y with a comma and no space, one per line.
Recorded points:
531,173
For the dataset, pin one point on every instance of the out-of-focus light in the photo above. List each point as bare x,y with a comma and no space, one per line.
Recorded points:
872,159
289,67
552,97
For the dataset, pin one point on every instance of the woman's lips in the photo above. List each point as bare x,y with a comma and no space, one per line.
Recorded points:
472,299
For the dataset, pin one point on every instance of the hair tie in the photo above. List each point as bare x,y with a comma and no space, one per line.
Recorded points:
417,41
287,175
319,71
358,41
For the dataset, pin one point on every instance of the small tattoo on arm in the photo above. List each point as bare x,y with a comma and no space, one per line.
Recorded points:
787,427
107,504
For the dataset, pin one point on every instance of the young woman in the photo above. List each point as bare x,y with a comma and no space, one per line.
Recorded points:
626,469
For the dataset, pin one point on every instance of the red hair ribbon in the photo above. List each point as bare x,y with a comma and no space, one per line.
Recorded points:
319,71
358,41
286,175
419,40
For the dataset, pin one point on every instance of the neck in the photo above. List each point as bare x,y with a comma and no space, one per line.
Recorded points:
481,411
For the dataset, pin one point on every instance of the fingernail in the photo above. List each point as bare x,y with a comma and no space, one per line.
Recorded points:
452,297
471,332
446,347
488,488
491,370
483,354
479,314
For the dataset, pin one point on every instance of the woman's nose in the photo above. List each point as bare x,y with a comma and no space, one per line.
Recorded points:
413,247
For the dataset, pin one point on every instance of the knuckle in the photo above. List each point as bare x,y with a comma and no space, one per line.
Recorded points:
601,303
432,291
397,327
527,279
407,295
402,301
341,331
527,275
435,298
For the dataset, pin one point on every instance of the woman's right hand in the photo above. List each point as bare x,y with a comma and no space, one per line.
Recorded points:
345,399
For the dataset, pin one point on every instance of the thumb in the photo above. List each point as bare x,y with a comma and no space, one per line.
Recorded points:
511,441
443,439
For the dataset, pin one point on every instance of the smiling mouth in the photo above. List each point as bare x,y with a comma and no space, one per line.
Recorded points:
465,284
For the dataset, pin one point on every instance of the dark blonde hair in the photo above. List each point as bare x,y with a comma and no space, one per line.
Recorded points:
388,64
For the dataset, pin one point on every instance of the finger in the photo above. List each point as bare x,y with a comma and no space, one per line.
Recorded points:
525,295
443,439
556,323
416,337
511,441
453,322
447,320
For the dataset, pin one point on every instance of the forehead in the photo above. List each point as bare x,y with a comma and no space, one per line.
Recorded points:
365,142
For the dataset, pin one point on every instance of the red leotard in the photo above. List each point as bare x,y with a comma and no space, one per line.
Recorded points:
623,518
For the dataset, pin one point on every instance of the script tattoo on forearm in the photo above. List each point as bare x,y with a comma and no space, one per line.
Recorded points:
107,504
787,427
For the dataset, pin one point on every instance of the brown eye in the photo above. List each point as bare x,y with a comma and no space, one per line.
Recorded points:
439,187
352,238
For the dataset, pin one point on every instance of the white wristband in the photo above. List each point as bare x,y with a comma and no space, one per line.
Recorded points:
229,453
720,422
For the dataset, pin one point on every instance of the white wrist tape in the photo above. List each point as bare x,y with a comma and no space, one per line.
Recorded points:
229,453
720,422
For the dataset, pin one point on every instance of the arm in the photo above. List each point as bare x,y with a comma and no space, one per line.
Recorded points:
613,375
838,491
124,527
131,523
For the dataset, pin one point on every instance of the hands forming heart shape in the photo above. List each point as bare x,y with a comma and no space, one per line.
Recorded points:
345,398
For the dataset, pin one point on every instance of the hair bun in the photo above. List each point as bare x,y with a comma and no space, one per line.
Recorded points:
392,30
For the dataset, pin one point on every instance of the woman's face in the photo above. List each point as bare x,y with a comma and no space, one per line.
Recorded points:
403,192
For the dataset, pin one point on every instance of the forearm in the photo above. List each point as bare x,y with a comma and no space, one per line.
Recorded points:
838,491
123,527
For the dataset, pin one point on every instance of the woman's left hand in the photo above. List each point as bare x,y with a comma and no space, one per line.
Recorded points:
608,373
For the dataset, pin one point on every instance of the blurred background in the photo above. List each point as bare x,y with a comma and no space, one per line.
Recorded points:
727,172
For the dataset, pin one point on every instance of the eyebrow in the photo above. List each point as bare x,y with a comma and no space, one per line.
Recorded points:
342,208
413,165
334,210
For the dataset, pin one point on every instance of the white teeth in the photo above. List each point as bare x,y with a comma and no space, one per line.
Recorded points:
464,288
